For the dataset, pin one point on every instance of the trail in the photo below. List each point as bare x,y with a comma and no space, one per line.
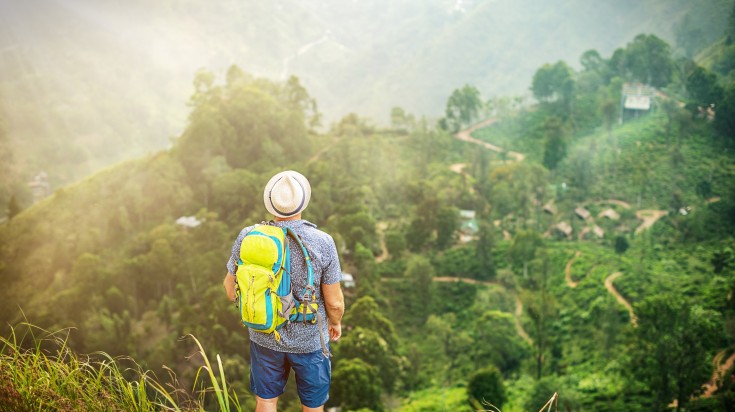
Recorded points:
568,270
720,370
519,305
383,250
611,288
649,217
450,279
466,135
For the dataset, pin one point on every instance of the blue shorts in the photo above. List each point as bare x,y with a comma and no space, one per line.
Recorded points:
269,371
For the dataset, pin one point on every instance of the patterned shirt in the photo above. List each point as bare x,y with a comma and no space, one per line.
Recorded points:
298,337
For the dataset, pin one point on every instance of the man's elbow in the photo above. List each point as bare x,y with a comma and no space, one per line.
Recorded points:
336,304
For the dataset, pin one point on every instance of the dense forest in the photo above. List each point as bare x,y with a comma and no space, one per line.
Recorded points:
507,253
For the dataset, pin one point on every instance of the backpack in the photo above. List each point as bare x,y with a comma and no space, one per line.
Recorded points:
263,281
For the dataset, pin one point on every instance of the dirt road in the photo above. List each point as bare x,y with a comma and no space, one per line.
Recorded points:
610,288
466,135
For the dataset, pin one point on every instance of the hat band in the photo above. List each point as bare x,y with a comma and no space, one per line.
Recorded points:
297,210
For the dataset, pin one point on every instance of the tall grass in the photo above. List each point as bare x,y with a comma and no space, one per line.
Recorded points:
39,372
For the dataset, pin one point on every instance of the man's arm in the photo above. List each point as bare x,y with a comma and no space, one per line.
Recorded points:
229,285
334,303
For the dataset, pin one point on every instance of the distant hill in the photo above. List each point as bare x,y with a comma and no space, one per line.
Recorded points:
85,84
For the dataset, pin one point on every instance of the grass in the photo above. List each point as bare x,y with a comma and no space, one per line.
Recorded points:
39,372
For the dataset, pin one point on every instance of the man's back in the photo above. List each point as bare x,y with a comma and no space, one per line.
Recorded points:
300,337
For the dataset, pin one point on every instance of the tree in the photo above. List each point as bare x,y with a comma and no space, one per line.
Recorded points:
591,60
462,108
553,82
13,208
364,313
621,244
725,114
420,273
371,347
523,249
447,223
541,307
355,385
395,242
669,348
486,387
485,245
648,59
702,87
496,341
555,148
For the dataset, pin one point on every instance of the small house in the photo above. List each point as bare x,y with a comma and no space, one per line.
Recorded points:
562,229
550,208
348,281
582,213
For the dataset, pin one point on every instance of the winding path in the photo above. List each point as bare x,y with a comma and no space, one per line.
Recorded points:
383,249
720,369
611,288
466,135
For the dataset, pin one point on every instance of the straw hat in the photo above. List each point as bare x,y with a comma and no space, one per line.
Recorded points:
287,194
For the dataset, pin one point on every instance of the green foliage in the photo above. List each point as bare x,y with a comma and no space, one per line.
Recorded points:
437,400
670,346
553,82
356,385
486,387
462,108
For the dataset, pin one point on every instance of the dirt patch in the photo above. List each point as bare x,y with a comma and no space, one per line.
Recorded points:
649,217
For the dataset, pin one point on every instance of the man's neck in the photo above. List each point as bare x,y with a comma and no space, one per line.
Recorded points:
285,219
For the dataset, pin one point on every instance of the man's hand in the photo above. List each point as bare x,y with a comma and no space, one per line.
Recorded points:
335,331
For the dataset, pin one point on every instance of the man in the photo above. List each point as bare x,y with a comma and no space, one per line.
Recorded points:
286,196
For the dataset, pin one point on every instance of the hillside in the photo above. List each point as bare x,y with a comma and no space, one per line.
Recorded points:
598,258
86,84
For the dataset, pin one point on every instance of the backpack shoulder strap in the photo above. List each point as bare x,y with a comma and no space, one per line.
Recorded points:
307,258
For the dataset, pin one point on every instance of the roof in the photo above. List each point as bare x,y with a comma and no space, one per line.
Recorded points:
564,227
467,214
637,103
582,212
550,208
188,221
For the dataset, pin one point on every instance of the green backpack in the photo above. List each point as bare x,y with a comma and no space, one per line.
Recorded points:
263,281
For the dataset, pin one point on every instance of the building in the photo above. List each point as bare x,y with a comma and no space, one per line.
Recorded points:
582,213
348,281
636,99
468,227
